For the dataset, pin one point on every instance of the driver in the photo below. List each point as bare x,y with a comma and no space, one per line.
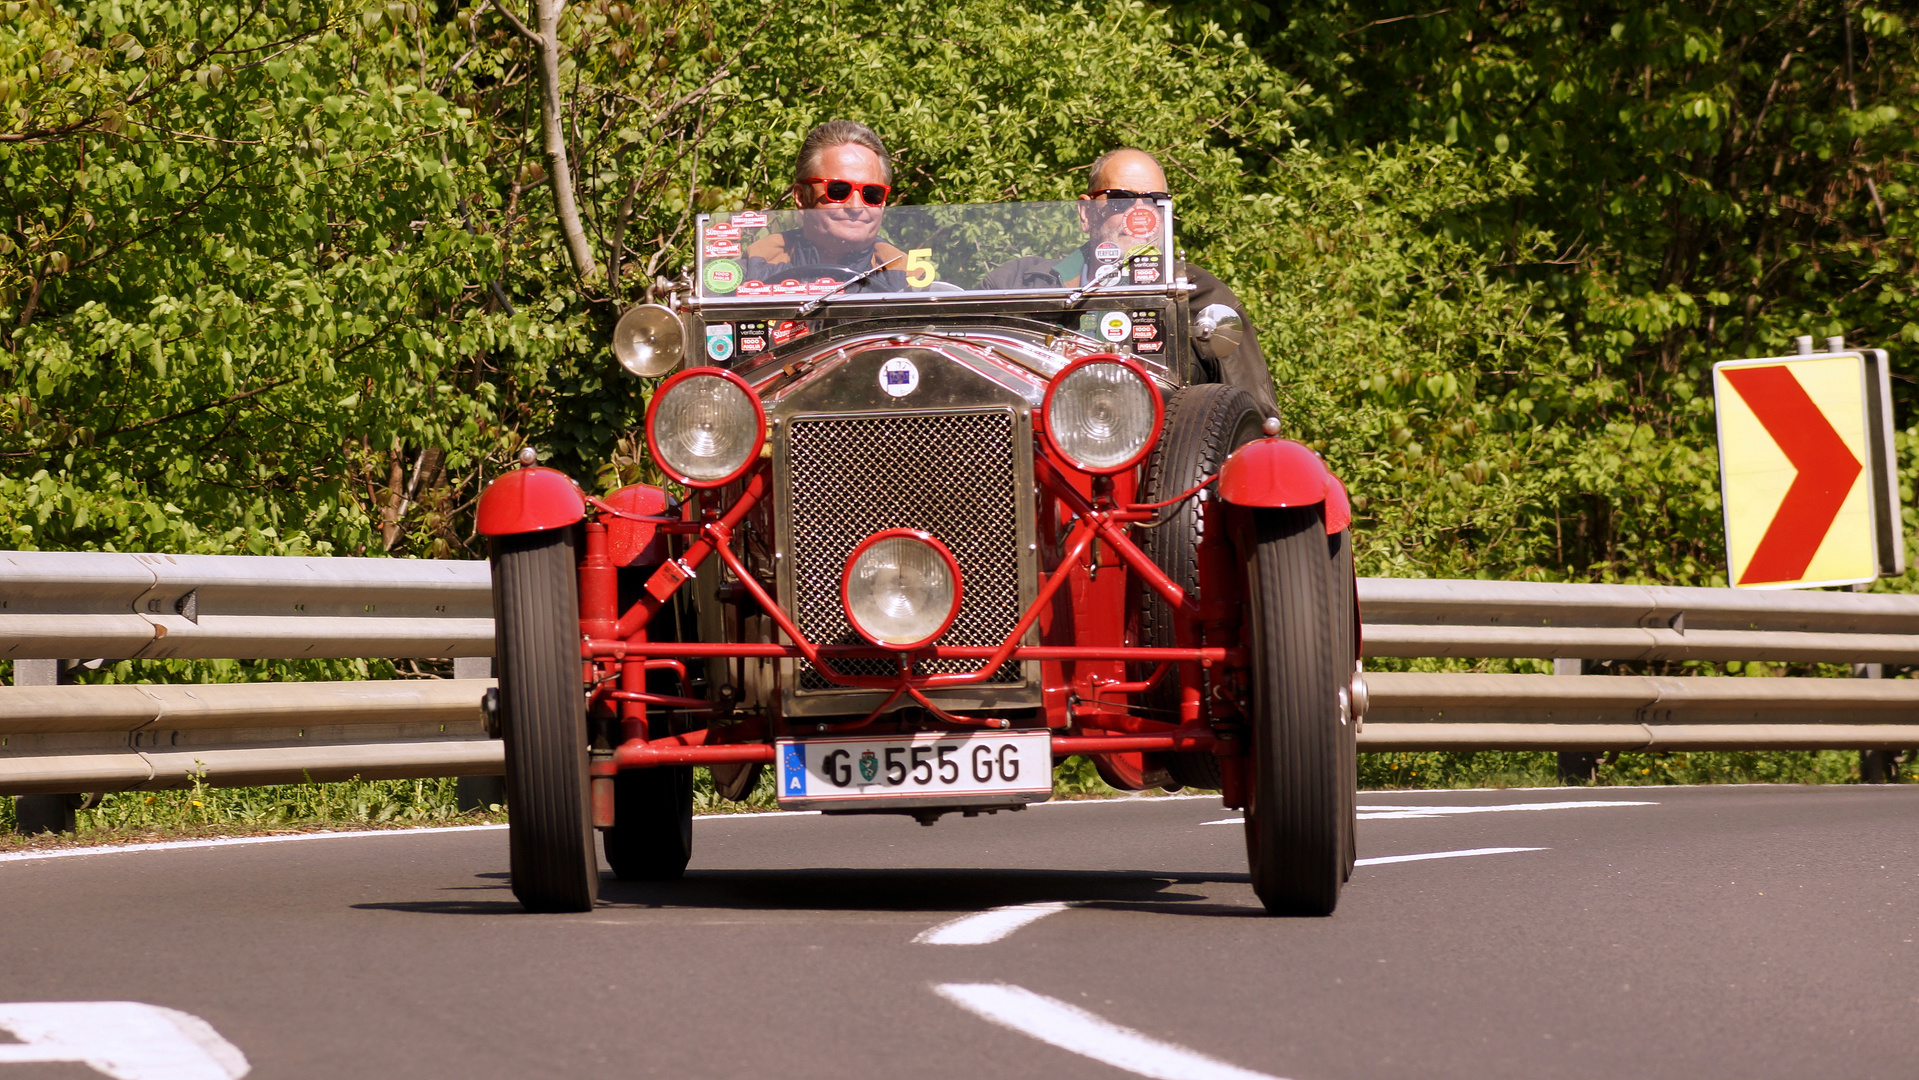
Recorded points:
1118,181
841,181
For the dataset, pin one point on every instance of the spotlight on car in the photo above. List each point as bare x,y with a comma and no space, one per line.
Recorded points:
1103,413
901,588
649,340
705,427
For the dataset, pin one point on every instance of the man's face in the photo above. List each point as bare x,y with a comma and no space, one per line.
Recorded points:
840,229
1105,218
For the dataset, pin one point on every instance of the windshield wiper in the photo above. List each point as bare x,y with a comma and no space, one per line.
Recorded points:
1103,278
813,305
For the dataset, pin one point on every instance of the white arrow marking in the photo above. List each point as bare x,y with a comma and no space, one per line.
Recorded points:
987,926
126,1040
1053,1021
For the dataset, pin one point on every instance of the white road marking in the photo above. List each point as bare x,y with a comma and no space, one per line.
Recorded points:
1368,813
1381,860
233,841
1074,1029
987,927
126,1040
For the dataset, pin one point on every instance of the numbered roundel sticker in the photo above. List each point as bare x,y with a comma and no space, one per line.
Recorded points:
899,377
722,276
1115,326
1142,221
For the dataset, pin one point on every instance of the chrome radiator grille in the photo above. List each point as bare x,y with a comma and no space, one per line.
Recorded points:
951,474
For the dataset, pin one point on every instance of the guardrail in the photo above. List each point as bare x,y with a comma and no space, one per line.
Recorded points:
66,606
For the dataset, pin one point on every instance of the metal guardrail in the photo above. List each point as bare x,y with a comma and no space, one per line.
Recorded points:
140,606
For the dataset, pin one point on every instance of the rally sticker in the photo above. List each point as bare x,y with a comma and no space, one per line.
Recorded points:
1106,252
755,288
749,219
1115,326
723,231
1146,269
753,338
898,377
719,342
721,248
1142,221
1146,338
789,330
722,276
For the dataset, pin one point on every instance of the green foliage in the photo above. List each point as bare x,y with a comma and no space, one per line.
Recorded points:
1499,769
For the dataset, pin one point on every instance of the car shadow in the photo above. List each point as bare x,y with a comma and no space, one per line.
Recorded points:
904,890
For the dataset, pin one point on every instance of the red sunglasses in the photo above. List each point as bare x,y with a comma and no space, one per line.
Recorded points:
839,191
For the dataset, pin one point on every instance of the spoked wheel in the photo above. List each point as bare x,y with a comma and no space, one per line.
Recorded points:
536,619
1204,423
1299,817
652,834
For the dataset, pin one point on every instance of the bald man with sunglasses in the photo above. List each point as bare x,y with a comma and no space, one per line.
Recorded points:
1115,184
844,179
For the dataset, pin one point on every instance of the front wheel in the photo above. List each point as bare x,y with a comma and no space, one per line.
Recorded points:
652,834
1299,817
536,619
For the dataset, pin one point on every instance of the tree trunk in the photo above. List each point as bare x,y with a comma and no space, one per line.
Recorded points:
545,39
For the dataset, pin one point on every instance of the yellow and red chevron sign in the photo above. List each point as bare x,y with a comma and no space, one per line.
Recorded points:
1796,459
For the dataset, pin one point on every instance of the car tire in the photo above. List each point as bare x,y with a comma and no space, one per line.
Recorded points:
536,613
1204,424
1344,609
652,834
1298,817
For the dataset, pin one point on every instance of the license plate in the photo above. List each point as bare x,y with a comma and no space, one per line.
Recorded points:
929,767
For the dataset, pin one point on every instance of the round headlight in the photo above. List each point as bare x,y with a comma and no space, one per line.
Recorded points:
1102,413
901,588
705,427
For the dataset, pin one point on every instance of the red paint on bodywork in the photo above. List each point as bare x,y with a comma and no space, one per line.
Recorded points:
1280,472
627,541
530,500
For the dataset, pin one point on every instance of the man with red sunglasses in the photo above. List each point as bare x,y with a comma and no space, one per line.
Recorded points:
1118,182
841,182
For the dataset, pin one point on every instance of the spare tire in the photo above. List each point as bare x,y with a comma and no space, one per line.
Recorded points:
1204,424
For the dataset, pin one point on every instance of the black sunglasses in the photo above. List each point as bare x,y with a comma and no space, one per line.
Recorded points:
1114,193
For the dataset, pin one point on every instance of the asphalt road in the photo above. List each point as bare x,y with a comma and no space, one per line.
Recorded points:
1740,932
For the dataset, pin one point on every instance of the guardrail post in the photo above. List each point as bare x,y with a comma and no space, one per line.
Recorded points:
477,792
1575,766
1875,766
35,814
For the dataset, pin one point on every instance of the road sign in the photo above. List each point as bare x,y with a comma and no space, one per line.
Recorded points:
1805,470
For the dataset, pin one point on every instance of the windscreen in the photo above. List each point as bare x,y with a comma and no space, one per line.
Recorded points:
914,252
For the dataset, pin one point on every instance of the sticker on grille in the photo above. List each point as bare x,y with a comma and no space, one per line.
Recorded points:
950,474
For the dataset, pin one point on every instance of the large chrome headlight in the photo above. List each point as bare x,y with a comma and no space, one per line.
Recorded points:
1102,413
901,588
705,427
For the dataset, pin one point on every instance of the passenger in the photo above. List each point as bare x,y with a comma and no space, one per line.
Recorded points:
842,180
1114,185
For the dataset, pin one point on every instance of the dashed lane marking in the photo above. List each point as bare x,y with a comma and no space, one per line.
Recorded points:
1381,860
1075,1030
987,927
127,1040
1370,813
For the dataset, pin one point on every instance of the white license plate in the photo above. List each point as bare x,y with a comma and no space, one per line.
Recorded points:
928,765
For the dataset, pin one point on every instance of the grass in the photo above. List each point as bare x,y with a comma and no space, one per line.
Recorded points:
135,816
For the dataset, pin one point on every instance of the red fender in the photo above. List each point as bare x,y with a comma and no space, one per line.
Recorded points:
1280,472
629,542
530,500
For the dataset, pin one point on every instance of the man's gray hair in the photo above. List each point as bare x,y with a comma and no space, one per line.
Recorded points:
838,133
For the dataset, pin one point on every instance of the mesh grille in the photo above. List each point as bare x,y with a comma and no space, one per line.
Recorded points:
949,474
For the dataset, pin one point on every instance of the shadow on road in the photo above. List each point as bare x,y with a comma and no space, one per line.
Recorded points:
829,889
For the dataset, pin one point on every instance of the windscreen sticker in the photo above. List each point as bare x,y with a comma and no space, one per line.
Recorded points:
1146,269
1142,221
1088,322
749,219
789,330
755,288
720,247
1115,326
1106,252
719,342
752,337
899,377
722,276
1146,336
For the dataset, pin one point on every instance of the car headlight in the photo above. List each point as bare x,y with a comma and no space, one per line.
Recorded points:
901,588
1102,413
705,427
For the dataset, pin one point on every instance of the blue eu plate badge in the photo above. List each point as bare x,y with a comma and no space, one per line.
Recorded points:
793,770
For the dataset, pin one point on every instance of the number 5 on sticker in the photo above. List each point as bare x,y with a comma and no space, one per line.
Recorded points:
920,270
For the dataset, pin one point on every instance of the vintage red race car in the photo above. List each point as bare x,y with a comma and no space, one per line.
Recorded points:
929,539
